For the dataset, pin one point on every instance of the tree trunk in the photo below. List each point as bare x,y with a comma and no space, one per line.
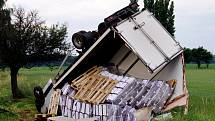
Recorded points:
14,87
199,64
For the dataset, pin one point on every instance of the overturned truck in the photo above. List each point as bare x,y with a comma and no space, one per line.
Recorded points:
133,71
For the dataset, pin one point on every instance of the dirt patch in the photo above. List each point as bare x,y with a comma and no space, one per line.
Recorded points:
26,115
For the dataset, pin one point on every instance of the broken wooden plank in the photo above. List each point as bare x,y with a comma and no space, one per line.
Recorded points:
54,101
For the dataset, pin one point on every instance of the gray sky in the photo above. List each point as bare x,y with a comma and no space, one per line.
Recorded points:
195,19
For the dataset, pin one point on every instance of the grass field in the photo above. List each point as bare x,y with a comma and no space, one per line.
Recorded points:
201,85
12,110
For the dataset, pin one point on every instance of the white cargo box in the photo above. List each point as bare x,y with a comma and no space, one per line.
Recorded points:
149,40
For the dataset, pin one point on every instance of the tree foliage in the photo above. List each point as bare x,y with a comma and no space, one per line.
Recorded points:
198,55
163,10
149,4
5,26
26,38
2,2
187,55
207,57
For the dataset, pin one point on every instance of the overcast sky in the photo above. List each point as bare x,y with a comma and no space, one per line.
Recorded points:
195,19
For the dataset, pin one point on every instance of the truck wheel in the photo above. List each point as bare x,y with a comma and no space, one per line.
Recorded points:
78,40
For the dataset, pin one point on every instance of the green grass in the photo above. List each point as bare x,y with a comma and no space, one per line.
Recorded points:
201,86
203,66
12,110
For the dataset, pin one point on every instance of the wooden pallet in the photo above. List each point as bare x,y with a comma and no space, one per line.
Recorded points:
103,90
53,107
54,102
82,79
92,87
95,89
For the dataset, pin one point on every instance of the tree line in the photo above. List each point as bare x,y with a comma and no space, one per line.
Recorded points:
25,38
198,55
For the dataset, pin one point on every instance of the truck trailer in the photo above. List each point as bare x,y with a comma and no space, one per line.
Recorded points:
130,69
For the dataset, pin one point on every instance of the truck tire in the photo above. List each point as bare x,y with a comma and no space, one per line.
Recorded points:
39,98
78,40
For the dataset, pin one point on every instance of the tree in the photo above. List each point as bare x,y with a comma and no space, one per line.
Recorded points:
187,55
171,19
27,39
201,55
5,26
149,4
2,2
198,55
163,11
207,57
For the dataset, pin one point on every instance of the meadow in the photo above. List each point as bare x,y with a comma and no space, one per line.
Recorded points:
201,86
